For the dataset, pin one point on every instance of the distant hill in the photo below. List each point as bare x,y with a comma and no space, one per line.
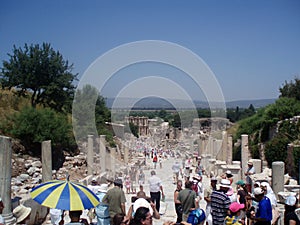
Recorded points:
159,103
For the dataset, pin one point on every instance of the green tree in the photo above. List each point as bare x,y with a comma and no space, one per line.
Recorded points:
291,89
90,114
41,73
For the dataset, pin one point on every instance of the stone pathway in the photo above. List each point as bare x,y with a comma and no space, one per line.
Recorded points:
165,173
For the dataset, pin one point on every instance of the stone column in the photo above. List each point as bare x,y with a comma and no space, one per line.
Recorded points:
244,154
214,148
200,146
102,153
46,161
229,151
257,165
192,145
224,145
277,177
90,154
290,165
126,155
113,161
5,178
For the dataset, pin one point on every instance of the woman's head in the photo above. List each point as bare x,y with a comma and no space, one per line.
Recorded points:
120,219
142,216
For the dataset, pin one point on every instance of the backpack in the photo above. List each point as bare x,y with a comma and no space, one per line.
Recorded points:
155,159
196,216
195,187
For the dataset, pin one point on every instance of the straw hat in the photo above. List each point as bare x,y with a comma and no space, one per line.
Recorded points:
225,183
21,212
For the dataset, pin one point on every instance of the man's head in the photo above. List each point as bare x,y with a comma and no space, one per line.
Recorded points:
188,184
213,182
75,215
118,182
153,173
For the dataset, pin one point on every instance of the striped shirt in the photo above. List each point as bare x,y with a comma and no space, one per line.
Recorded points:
219,205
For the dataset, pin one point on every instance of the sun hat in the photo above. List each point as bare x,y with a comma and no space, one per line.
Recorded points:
258,191
228,172
103,188
197,177
235,207
240,182
291,200
257,183
250,163
21,212
141,202
225,183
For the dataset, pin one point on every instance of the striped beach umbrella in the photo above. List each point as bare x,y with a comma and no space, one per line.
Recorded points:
64,195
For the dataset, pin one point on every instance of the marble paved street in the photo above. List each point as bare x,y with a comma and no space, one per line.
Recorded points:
165,173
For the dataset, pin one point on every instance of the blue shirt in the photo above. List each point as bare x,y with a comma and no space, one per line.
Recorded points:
264,209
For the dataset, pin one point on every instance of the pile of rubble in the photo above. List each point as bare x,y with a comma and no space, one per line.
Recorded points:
27,172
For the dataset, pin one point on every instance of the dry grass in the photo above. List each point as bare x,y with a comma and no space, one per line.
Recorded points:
11,103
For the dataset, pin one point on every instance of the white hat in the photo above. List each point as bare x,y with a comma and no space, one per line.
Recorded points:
103,188
197,177
291,200
258,191
265,184
141,202
228,172
21,212
225,183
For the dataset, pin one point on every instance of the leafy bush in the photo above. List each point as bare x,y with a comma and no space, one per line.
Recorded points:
275,149
33,126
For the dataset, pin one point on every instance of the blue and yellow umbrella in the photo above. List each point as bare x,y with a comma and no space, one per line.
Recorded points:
64,195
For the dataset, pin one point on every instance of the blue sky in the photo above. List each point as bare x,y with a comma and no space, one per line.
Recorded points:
252,47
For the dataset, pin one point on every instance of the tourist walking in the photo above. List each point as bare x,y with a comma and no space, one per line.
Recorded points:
263,214
188,199
1,210
220,203
101,210
199,168
142,216
235,210
22,214
115,199
176,171
178,207
242,194
207,197
290,217
250,171
156,189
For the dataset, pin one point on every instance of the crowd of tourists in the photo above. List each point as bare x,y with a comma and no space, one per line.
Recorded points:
251,204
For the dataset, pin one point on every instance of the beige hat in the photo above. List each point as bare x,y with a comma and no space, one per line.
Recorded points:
21,212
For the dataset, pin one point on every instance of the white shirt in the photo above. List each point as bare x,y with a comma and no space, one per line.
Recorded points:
154,183
1,219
